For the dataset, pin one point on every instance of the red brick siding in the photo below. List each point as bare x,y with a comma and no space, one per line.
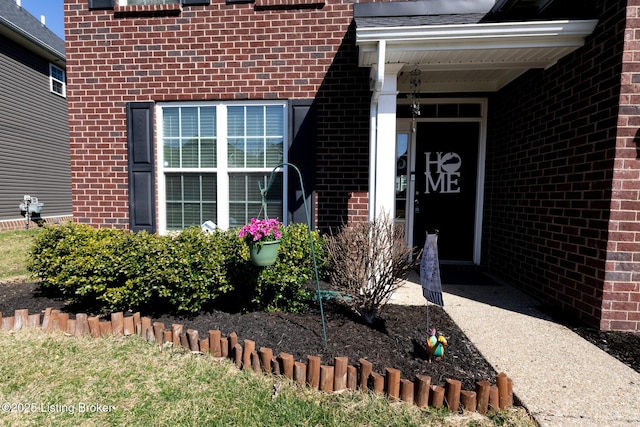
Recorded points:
288,4
20,224
358,207
621,297
550,157
215,52
343,131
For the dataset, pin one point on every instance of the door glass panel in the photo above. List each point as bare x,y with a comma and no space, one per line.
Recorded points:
402,146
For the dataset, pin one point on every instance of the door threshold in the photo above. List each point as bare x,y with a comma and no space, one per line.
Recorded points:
461,263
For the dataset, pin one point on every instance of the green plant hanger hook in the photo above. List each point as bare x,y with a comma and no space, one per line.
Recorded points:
263,192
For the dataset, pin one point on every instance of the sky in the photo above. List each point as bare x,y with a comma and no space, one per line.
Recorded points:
52,11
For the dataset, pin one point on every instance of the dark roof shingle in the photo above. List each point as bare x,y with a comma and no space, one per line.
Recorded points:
18,20
420,20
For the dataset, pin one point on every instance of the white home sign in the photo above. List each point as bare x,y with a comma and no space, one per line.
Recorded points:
442,174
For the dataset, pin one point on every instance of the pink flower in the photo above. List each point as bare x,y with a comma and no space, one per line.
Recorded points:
261,230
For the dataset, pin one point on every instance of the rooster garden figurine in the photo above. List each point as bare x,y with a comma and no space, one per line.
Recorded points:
435,345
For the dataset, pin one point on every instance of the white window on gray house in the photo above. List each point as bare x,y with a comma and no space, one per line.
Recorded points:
57,83
213,155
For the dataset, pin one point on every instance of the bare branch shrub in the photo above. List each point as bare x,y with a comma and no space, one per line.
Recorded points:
368,262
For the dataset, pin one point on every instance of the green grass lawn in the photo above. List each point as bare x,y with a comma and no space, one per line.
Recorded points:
14,248
55,380
52,379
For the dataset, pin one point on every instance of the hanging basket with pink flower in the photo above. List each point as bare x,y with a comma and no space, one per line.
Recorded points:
263,238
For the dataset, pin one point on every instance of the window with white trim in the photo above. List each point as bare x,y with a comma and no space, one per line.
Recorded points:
213,155
57,83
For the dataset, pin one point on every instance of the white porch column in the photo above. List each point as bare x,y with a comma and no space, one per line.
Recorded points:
383,145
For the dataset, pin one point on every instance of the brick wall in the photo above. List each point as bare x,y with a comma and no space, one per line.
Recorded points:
20,224
551,152
343,122
358,207
621,298
216,52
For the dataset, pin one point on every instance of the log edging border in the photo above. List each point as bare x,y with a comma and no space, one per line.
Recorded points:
326,378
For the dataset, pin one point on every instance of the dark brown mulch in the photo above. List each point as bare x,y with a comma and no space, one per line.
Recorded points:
396,342
623,346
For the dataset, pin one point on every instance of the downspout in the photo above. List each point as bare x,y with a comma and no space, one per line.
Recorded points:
373,131
373,115
379,81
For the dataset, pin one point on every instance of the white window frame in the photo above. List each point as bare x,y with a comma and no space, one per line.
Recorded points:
53,80
222,170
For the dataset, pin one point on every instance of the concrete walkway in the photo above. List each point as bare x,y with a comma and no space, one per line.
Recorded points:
562,379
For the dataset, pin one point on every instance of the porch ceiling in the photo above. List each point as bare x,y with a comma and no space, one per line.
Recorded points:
469,57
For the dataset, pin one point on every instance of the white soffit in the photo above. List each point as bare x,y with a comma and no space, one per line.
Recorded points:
471,57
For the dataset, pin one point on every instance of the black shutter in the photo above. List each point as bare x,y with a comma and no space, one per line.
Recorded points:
101,4
110,4
302,153
142,188
196,2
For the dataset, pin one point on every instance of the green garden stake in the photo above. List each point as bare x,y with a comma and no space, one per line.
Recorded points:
306,211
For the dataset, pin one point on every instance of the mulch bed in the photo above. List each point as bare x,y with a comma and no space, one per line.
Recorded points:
397,341
623,346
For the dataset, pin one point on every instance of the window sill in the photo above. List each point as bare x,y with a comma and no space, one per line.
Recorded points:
172,9
61,95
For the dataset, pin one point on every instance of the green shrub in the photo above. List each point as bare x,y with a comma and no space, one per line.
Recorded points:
283,286
139,263
193,269
112,270
68,258
116,270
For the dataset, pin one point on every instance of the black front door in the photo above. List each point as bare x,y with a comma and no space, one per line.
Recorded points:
446,176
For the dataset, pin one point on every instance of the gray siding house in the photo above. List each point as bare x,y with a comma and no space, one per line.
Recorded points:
34,130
